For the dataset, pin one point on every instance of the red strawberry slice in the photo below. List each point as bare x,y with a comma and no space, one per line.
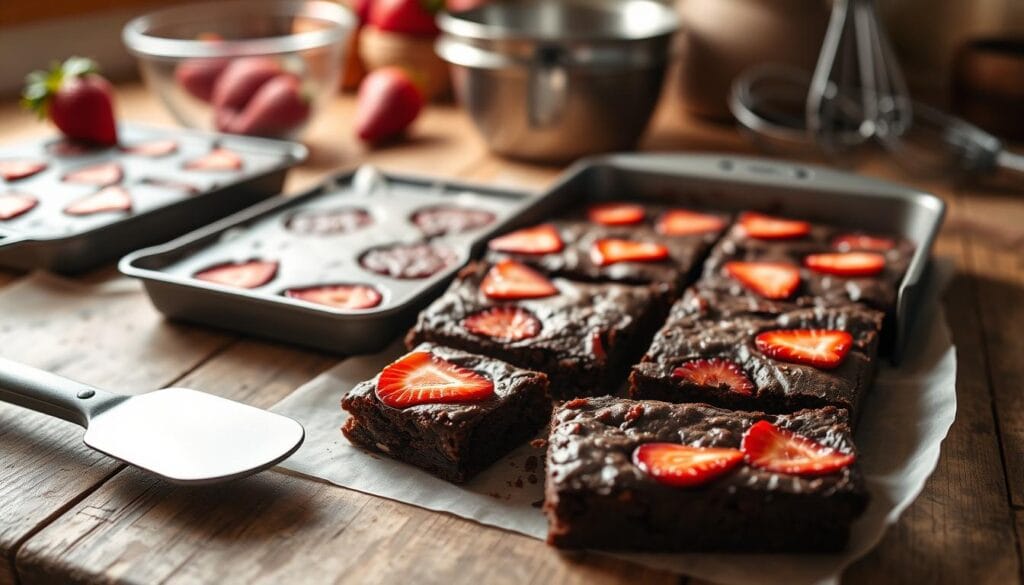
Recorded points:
821,348
153,148
113,198
14,204
541,239
102,174
847,242
503,323
771,280
510,280
683,222
782,451
685,466
341,296
218,159
249,274
423,378
716,372
14,169
612,250
616,213
766,227
847,263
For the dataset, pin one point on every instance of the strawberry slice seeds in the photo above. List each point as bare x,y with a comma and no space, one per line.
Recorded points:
685,466
15,169
821,348
423,378
13,205
683,222
339,296
862,242
541,239
771,448
503,323
849,264
766,227
249,274
616,214
511,280
102,174
717,373
218,159
612,251
113,198
771,280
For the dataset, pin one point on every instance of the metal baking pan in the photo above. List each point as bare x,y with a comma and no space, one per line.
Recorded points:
168,200
310,259
734,183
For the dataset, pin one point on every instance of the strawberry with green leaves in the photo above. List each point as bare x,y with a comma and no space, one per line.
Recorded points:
76,99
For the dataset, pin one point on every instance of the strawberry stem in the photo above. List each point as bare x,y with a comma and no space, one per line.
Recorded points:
41,85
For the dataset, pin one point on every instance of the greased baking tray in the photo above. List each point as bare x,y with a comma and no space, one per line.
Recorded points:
167,199
309,259
733,183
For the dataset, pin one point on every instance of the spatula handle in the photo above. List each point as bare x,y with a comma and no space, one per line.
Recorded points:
51,394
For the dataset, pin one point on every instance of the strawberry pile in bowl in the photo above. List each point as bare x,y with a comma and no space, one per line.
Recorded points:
255,67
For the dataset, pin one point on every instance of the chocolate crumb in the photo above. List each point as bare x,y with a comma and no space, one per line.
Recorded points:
532,478
519,482
531,463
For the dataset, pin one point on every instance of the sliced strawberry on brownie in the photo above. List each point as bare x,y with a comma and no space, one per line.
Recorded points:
616,213
13,205
614,250
767,227
540,239
771,280
862,242
781,451
716,373
505,323
101,174
218,159
153,148
423,378
248,274
821,348
511,280
683,222
339,296
850,264
15,169
685,466
113,198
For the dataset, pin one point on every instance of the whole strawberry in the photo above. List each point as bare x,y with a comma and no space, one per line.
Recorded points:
388,103
76,99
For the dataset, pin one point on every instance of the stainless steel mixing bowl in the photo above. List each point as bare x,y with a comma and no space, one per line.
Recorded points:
553,80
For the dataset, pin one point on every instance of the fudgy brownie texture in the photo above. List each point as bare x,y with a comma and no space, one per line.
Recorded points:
596,497
589,333
706,325
452,441
575,260
878,291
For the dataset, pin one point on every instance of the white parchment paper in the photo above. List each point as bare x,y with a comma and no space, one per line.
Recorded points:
908,414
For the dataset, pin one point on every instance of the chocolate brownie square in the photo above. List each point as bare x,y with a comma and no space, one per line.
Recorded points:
659,245
449,412
583,336
654,476
724,351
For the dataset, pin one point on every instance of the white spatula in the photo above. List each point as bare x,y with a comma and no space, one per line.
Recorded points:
182,435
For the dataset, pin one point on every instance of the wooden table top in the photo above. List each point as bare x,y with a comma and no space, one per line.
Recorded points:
68,514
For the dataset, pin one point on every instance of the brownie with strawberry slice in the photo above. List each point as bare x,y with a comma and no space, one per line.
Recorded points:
617,242
757,354
447,411
785,259
654,476
583,335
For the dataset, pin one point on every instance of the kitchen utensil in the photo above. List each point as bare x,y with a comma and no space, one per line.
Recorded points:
182,435
167,199
178,46
389,201
551,80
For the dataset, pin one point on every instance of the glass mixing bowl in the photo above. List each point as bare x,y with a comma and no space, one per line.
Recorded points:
257,67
